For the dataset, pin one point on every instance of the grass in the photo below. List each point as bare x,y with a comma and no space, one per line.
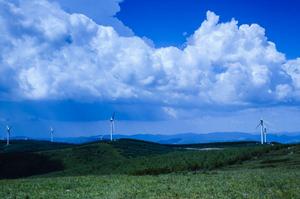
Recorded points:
287,157
135,169
258,183
145,158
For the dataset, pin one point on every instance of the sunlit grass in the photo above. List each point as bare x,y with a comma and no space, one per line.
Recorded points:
246,183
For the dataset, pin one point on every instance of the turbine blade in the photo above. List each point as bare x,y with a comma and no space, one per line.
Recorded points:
258,125
268,124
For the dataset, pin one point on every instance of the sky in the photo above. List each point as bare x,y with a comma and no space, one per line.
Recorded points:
164,67
170,22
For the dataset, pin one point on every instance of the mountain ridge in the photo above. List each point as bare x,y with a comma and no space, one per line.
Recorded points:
183,138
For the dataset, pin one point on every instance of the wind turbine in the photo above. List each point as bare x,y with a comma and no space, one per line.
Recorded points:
262,127
101,137
51,133
112,126
8,131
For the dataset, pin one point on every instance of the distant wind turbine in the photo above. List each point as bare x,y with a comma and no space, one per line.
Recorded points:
51,133
112,126
262,128
101,137
8,132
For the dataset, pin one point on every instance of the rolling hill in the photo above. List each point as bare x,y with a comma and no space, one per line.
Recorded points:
130,168
124,156
31,146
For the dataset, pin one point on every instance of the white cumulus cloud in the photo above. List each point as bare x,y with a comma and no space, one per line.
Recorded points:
48,53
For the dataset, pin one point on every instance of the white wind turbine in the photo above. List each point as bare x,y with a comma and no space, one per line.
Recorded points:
8,132
101,137
262,128
51,133
112,126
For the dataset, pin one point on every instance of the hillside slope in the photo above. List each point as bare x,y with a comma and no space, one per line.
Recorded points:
275,174
127,156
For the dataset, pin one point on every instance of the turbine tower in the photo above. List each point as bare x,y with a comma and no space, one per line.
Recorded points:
8,131
265,135
51,133
112,126
262,128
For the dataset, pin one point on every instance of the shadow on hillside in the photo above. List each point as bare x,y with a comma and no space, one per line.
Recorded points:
18,165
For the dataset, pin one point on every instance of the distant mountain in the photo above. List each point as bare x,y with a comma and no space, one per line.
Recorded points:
190,138
186,138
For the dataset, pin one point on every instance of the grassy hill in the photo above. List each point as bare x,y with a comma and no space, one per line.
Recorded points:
125,156
137,169
25,158
30,146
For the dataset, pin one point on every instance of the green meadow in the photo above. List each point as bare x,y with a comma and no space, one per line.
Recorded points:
138,169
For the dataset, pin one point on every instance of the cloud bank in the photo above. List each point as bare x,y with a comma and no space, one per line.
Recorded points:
49,54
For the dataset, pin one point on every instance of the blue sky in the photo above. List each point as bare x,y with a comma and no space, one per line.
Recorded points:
166,22
164,67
